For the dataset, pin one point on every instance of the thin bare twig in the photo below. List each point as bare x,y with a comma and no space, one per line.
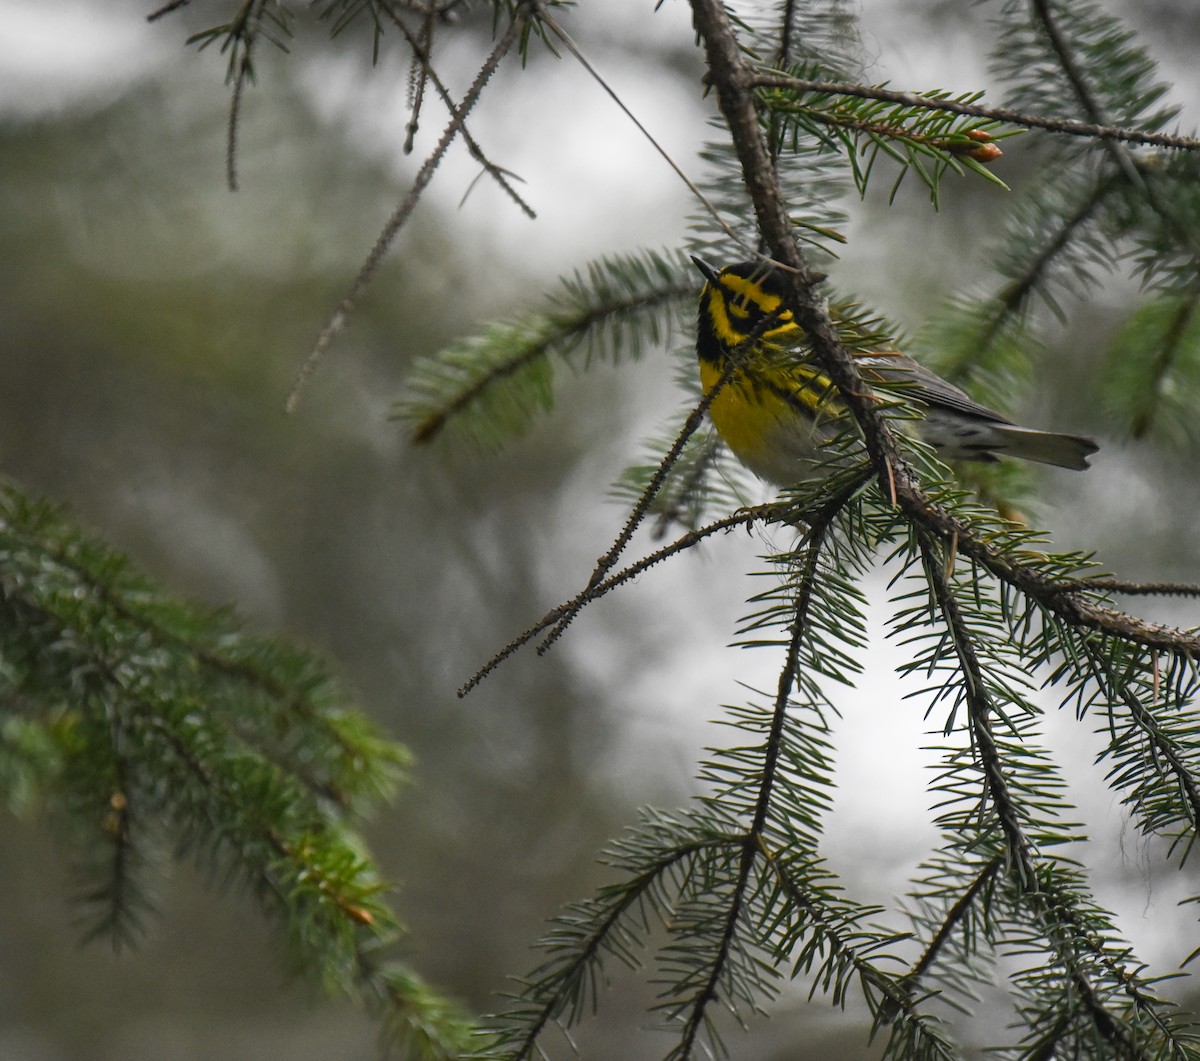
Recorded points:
369,268
573,48
605,563
691,424
743,518
421,52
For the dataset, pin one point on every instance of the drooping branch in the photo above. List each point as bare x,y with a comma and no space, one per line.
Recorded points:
1026,870
401,214
805,588
420,50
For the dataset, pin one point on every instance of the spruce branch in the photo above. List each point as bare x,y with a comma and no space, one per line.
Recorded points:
1136,177
1095,130
980,710
293,699
953,920
244,72
169,728
837,936
750,850
1037,885
585,932
734,81
1172,347
1013,298
1165,786
605,563
488,386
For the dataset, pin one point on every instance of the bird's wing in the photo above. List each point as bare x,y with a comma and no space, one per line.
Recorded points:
926,386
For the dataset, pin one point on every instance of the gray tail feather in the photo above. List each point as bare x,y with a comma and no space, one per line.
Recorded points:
1045,447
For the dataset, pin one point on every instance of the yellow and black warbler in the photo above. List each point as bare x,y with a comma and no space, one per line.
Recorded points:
776,411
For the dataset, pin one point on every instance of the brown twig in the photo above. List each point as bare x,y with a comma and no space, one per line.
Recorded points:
743,518
421,52
371,266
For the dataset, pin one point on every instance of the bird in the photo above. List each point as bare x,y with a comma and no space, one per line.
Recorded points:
778,412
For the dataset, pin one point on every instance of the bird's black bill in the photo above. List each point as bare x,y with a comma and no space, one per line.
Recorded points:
707,271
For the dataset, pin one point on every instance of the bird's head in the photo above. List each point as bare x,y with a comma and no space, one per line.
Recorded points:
741,302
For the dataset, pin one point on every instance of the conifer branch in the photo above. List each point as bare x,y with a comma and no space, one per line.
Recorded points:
585,952
1160,747
1134,176
1032,879
1143,589
805,582
733,80
1172,349
1066,61
980,709
520,346
172,724
896,994
1062,597
1095,130
953,919
1013,297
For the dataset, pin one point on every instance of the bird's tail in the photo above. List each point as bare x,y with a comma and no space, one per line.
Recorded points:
1045,447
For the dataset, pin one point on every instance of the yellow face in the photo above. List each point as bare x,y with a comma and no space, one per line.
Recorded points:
741,303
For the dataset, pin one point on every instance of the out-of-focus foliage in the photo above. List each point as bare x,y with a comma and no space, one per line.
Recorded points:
145,725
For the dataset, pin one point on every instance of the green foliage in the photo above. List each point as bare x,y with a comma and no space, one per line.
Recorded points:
1091,201
1119,76
725,900
1154,371
487,388
267,19
147,727
930,143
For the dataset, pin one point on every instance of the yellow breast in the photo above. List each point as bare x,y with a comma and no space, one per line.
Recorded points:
773,422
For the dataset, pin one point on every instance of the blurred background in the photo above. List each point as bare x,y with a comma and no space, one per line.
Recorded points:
151,324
